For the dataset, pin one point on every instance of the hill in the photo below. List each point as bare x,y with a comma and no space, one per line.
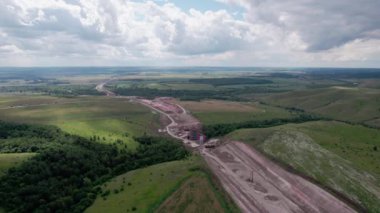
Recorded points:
177,186
339,156
341,103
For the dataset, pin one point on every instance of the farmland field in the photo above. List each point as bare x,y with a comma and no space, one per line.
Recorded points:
340,156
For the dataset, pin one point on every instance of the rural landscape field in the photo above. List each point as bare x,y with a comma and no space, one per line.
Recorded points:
156,141
201,106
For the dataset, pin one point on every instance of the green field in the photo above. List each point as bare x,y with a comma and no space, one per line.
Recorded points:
342,103
109,119
157,188
340,156
144,189
195,195
216,112
9,160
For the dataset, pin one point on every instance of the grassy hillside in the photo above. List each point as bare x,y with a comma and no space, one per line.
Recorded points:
340,156
343,103
216,112
194,195
108,119
157,188
198,194
9,160
143,189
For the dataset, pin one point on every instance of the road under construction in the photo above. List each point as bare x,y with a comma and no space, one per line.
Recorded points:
253,181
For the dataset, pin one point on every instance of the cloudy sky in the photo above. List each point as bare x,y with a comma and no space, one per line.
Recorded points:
296,33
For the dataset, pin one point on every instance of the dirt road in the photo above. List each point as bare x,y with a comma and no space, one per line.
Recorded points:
259,185
254,182
173,123
101,88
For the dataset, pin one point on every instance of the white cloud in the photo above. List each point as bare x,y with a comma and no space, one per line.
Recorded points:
322,25
126,32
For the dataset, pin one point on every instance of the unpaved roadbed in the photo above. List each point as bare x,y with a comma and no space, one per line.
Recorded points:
259,185
254,182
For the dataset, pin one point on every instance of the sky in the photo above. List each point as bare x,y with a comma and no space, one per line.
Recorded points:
273,33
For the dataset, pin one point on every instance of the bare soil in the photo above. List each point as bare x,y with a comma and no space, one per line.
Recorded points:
259,185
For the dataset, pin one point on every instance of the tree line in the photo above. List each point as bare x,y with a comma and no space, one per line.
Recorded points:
57,90
216,130
231,94
65,174
230,81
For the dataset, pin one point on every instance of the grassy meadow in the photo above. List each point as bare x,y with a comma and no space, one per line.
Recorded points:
343,103
142,190
177,186
108,119
195,195
338,155
216,112
9,160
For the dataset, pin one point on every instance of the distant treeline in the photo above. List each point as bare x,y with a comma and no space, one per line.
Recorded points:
67,90
230,81
216,130
193,95
181,94
345,73
65,174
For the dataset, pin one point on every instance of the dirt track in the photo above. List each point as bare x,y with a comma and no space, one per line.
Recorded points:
254,182
259,185
101,88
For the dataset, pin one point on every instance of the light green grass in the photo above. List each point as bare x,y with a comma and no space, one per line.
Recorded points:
195,195
338,155
343,103
108,130
16,100
217,115
236,117
9,160
145,188
107,118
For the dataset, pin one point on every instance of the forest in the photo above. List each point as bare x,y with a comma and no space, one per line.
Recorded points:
230,81
230,94
67,170
55,90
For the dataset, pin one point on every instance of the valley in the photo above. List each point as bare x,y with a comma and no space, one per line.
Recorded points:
260,144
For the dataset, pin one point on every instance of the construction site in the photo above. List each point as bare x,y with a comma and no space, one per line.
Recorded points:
254,182
183,126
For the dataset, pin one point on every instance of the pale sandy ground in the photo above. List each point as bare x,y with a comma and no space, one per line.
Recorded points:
272,189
